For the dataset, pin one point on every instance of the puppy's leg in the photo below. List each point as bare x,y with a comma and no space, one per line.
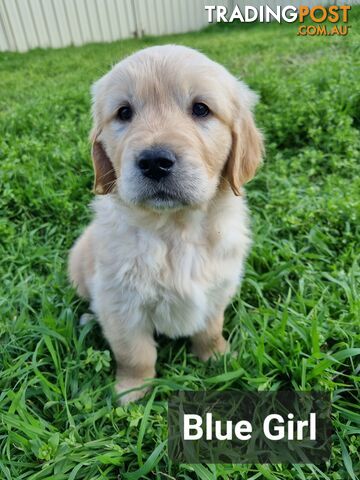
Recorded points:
207,343
135,355
81,263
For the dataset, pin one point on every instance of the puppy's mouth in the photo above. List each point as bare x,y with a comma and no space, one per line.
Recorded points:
183,188
162,195
164,199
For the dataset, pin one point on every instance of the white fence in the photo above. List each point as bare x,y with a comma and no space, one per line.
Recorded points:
27,24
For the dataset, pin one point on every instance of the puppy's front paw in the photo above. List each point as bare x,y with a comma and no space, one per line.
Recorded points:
206,351
124,384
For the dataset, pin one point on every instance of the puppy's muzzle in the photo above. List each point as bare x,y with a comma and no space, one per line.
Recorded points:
156,163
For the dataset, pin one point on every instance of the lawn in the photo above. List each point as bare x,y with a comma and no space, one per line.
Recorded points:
295,324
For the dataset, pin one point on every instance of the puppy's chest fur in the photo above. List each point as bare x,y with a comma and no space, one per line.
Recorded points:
172,276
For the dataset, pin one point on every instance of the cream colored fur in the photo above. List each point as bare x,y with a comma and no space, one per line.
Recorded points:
171,268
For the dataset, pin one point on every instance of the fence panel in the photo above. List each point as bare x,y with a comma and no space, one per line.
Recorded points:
27,24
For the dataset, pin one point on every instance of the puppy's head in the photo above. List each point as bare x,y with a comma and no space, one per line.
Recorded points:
168,124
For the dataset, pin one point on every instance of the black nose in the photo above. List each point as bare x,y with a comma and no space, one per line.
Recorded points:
156,163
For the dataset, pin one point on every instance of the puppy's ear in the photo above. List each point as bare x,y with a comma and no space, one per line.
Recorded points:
105,177
247,143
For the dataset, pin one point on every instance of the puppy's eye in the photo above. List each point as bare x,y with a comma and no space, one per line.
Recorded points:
200,110
125,114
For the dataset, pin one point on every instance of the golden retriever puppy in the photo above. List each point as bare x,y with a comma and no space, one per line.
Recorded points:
174,140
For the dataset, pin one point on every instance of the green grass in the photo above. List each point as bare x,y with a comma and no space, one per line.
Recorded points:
295,324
